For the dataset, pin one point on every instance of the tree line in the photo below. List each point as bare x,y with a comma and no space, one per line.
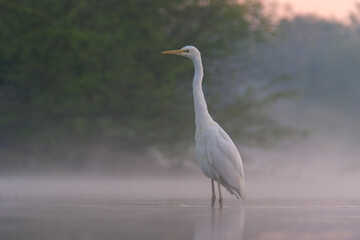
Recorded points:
88,73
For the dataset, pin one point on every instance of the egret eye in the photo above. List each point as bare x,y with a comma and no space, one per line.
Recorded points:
186,50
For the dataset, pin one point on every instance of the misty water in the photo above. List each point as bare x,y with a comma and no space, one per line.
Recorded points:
115,218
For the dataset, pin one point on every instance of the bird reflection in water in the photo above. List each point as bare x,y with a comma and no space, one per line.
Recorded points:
221,223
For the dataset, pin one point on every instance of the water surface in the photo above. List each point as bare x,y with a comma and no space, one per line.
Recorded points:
178,219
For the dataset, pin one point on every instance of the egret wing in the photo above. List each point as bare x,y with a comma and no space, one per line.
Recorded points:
226,161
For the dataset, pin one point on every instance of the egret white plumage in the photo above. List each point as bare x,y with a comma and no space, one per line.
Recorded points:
216,153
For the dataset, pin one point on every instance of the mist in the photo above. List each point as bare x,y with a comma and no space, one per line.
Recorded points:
97,127
322,165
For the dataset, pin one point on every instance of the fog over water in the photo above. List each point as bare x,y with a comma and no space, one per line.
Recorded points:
324,164
329,172
306,188
303,188
87,101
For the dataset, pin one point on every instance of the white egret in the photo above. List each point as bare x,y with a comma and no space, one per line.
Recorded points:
216,153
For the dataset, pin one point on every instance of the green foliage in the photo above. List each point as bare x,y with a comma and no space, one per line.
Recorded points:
89,72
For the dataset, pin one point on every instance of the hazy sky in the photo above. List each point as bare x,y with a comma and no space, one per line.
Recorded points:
327,8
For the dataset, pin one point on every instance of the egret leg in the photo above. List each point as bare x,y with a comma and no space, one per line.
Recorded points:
220,196
213,197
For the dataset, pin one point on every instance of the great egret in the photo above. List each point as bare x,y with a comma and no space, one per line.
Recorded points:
216,153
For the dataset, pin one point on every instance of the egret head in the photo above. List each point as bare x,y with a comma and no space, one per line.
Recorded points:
187,51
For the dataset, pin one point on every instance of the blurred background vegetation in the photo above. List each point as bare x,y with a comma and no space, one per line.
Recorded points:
84,81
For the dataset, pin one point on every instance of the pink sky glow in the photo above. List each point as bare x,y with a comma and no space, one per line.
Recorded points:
338,9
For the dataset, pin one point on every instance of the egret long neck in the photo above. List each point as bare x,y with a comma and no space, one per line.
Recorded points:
202,116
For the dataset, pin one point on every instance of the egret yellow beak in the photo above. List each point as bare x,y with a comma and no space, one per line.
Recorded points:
173,51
